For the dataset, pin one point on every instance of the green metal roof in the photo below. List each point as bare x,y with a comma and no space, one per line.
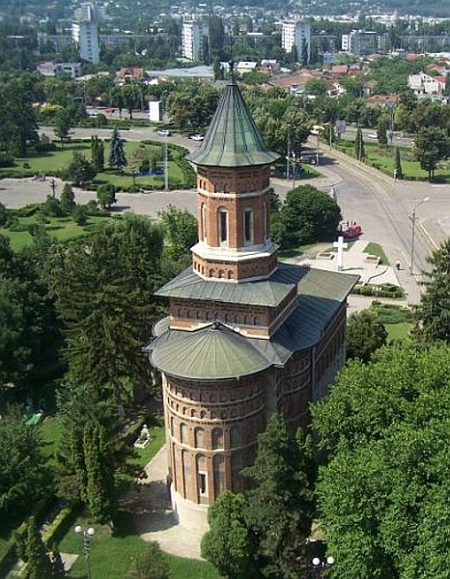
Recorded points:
232,139
270,292
212,352
225,353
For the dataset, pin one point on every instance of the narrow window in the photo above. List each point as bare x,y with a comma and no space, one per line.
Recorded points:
202,482
248,225
204,221
223,225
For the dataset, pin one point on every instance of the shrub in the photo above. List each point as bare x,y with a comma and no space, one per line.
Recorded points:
6,160
79,215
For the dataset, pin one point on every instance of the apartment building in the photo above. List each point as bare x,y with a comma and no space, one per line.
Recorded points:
296,33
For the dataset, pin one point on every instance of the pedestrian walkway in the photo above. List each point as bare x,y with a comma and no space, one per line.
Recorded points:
153,516
357,261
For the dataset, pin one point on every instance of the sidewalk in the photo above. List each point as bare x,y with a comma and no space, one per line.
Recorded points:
152,513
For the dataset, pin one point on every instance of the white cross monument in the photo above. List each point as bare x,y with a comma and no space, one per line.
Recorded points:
340,245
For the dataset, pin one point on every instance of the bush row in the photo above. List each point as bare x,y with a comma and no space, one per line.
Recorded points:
383,290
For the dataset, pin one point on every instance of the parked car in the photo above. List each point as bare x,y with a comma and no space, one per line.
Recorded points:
350,230
372,136
163,132
196,137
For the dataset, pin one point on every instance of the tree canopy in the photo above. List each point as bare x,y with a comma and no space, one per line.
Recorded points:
21,473
432,315
103,287
384,490
262,532
307,215
365,334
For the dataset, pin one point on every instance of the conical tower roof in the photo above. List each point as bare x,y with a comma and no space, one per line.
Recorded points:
232,139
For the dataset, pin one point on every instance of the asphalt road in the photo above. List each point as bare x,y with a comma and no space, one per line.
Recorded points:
369,136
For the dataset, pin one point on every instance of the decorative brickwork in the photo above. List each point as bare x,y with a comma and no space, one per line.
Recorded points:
210,428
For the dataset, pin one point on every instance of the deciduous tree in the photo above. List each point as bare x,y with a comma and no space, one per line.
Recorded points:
365,334
384,428
307,215
80,170
180,231
430,146
230,544
106,195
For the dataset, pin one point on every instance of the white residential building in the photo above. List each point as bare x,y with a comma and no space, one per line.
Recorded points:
193,36
424,84
296,33
90,11
85,35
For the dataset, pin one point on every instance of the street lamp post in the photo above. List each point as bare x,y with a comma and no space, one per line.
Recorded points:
320,565
413,233
86,535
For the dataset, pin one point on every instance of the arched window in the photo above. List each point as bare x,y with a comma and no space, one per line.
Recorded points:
235,437
217,438
202,475
199,438
222,225
186,471
248,226
219,474
184,433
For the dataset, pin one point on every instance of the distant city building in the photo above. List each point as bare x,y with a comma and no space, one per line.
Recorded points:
73,69
361,42
85,33
193,35
296,33
89,11
246,66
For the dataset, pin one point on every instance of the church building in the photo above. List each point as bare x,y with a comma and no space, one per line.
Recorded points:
247,336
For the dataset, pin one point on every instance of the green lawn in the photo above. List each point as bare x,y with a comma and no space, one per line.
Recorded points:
52,162
62,228
112,553
377,250
382,158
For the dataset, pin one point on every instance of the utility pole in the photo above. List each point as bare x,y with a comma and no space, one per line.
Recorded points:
413,233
